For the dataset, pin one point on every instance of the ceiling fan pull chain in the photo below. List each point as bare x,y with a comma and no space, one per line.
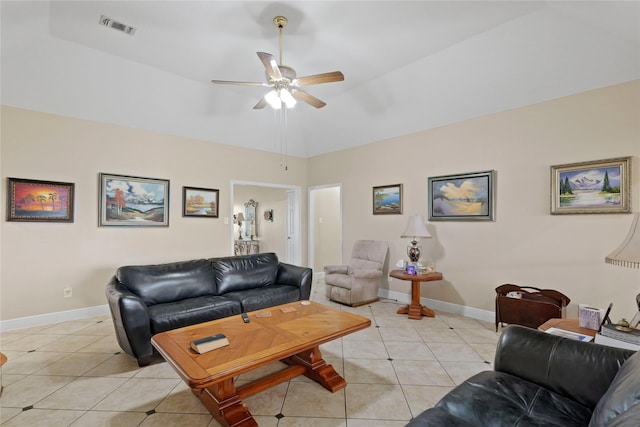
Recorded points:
286,137
280,27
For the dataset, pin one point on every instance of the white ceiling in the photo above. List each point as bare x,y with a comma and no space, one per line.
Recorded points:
408,66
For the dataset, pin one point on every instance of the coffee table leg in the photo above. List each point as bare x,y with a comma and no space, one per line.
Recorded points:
225,405
317,369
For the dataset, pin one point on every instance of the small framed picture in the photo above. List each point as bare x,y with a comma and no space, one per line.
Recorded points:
133,201
594,187
39,201
387,199
200,202
462,197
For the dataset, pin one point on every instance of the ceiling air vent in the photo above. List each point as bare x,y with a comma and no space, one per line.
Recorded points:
108,22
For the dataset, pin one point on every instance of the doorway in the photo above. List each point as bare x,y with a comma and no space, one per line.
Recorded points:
325,227
279,230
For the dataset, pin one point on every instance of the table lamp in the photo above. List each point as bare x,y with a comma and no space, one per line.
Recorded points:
240,220
628,255
415,228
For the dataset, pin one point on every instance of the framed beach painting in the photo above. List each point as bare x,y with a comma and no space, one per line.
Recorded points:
200,202
39,201
594,187
462,197
387,199
133,201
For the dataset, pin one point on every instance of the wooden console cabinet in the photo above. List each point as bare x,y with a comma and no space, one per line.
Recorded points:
532,306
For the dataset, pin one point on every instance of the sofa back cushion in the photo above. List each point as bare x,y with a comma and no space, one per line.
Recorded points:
620,405
239,273
161,283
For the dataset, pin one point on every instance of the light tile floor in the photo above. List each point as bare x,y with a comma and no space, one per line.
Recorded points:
74,374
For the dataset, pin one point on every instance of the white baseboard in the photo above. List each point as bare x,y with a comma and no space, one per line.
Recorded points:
474,313
50,318
318,276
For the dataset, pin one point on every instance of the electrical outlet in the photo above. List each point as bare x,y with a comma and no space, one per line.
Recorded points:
226,220
68,292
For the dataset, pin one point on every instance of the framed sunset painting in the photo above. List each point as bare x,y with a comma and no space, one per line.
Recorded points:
39,201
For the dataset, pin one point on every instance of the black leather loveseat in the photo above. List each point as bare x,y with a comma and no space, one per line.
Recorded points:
147,299
545,380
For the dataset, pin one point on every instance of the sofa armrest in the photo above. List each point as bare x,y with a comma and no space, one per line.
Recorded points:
581,371
336,269
367,274
130,319
294,275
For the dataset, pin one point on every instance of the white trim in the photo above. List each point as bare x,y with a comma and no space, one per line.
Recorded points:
318,276
474,313
50,318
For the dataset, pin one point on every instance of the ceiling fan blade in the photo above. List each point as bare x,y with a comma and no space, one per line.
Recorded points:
309,99
228,82
270,65
261,104
334,76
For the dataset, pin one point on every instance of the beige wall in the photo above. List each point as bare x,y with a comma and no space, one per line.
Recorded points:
525,244
40,259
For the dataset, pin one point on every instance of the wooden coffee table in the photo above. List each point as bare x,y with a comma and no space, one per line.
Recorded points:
291,337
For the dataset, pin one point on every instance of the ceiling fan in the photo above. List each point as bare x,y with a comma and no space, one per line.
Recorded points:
283,80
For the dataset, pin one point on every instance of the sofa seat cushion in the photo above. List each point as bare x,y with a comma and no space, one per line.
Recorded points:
164,317
620,405
257,299
493,398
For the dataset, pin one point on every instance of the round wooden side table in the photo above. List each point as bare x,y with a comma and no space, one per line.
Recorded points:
415,310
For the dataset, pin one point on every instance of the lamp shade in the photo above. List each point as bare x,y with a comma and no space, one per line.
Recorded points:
416,228
628,253
240,217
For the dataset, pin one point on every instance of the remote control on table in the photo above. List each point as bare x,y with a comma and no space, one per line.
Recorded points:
245,318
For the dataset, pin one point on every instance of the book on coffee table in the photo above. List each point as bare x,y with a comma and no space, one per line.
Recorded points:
206,344
569,334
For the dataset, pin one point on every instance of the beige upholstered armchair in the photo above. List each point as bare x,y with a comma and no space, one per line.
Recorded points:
358,283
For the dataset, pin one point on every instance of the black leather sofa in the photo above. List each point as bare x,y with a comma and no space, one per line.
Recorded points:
545,380
147,299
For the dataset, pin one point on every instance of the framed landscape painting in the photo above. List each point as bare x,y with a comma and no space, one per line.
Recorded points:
200,202
462,197
39,201
133,201
599,186
387,199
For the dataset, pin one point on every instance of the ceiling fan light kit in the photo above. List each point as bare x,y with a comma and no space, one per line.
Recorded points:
283,81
